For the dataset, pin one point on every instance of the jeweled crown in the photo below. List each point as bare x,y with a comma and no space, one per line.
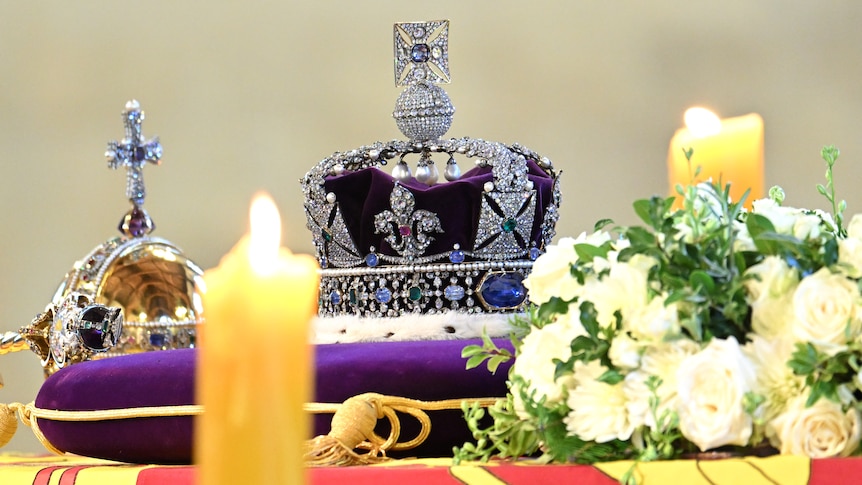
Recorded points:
399,244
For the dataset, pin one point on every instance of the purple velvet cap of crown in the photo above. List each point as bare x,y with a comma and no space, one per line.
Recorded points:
364,193
427,370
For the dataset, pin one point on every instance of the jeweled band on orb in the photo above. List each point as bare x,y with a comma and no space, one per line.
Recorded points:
72,331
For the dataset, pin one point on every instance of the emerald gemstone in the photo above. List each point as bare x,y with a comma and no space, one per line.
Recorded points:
415,293
509,225
327,236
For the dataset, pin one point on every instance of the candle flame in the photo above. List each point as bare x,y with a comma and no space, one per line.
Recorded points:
265,237
702,122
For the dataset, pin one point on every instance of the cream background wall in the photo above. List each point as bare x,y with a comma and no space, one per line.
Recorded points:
248,95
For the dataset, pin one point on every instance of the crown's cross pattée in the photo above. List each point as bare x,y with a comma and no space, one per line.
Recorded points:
133,152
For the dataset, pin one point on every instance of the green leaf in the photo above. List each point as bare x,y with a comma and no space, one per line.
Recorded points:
701,279
640,237
758,224
675,297
588,319
688,152
601,223
822,389
611,376
582,343
804,359
554,306
642,209
494,362
471,350
587,252
475,361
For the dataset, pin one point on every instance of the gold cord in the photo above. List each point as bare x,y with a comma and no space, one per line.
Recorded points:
352,424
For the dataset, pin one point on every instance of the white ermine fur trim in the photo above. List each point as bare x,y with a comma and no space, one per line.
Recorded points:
442,326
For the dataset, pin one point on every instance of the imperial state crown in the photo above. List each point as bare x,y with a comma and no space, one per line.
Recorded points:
397,247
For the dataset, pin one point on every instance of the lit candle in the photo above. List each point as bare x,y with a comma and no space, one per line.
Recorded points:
254,364
730,150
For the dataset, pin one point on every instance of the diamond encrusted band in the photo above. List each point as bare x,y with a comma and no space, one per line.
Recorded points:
392,291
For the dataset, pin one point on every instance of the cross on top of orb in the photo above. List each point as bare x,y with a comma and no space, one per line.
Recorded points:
421,52
133,152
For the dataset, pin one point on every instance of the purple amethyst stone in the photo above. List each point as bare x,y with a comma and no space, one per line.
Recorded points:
420,53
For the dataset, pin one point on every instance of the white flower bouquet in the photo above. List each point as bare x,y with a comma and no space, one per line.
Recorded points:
707,327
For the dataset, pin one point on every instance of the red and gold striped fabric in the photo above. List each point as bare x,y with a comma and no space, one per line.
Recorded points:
784,470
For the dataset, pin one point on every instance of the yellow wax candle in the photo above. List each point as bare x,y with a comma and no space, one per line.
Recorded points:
254,364
730,150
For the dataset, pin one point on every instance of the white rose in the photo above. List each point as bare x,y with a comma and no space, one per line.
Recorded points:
850,256
624,289
820,431
783,218
598,410
625,352
535,362
711,387
826,308
771,284
653,322
807,226
770,278
551,274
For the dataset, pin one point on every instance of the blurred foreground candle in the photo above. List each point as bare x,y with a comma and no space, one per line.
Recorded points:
730,150
254,364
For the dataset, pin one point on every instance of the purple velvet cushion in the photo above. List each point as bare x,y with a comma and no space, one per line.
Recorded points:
426,370
148,379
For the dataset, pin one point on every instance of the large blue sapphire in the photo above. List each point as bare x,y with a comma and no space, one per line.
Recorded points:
503,290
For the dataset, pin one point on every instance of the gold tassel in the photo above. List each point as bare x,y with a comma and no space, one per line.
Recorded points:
8,424
353,427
